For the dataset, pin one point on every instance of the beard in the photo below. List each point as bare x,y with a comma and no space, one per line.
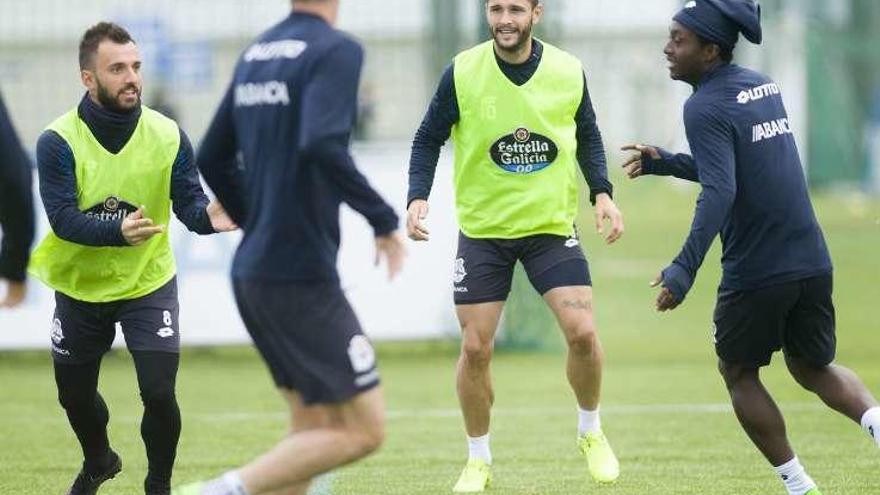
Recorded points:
522,39
112,102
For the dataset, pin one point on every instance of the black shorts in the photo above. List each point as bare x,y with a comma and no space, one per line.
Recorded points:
483,270
83,331
797,317
309,337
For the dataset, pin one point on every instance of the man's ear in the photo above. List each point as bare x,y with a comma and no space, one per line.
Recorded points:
87,77
711,51
538,13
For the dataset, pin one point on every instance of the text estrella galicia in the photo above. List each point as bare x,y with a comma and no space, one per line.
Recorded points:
524,152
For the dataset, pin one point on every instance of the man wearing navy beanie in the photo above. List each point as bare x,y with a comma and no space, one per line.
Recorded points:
775,292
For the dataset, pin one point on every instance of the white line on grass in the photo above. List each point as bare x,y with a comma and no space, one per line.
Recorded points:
404,414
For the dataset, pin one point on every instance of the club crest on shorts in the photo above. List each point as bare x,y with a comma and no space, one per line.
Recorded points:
361,354
458,271
56,333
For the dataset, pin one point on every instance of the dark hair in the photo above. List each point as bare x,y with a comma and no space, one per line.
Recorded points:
725,54
93,37
534,2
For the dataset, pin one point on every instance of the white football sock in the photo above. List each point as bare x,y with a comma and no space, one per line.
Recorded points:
871,423
478,448
588,421
228,484
795,478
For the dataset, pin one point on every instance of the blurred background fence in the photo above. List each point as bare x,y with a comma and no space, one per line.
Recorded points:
823,53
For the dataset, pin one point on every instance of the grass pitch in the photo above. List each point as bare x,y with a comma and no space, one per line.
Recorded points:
664,407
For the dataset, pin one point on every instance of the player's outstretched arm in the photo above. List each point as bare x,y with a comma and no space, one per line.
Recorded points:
189,201
711,140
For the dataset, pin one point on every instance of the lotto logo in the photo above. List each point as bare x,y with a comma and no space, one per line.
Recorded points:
263,52
757,93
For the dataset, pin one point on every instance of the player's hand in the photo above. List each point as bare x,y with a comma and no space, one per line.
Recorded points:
666,300
219,218
392,248
136,229
633,164
607,210
415,220
15,293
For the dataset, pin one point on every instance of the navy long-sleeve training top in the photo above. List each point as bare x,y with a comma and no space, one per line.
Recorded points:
753,187
289,114
57,168
16,202
443,113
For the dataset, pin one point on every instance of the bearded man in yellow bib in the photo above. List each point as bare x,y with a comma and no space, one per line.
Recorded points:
111,171
522,122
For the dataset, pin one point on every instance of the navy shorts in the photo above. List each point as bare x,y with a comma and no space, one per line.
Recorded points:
483,270
797,317
83,331
309,337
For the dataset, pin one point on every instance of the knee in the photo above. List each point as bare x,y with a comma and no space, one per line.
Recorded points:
582,339
374,438
72,400
368,439
735,375
159,398
803,372
476,353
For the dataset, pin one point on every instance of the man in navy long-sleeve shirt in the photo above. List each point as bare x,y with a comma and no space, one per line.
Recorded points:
16,211
775,292
288,116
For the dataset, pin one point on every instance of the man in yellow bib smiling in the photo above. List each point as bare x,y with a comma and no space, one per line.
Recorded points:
522,122
111,171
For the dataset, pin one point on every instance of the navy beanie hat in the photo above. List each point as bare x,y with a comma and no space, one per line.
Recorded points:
721,21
